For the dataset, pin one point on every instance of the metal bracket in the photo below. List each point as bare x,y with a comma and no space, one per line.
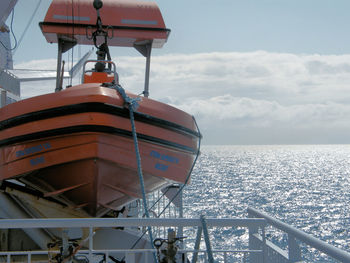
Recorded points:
145,48
64,44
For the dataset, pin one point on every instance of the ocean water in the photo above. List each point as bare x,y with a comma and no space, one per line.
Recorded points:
307,186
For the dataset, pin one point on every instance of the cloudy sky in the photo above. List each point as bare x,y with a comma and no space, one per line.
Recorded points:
250,71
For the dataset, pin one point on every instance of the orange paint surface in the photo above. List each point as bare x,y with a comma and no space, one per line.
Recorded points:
94,169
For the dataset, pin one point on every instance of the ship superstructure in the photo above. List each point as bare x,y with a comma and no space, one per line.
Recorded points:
9,83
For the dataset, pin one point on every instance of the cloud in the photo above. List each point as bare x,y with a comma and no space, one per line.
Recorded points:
247,112
261,97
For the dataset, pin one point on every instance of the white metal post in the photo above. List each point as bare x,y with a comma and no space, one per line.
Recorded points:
59,64
148,66
197,245
264,248
253,244
181,215
294,252
90,243
3,98
206,239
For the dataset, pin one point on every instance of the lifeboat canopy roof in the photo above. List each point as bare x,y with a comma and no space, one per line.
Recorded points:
127,22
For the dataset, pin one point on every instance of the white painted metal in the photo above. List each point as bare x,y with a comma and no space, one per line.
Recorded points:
6,7
130,254
260,249
207,239
91,234
10,83
38,207
6,60
127,222
13,211
197,244
3,98
293,233
78,66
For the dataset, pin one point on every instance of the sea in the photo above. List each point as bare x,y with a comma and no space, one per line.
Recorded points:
306,186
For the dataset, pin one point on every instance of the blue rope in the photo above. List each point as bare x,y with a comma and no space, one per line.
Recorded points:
181,188
132,106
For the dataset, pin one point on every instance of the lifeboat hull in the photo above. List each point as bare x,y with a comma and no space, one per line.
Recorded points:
77,145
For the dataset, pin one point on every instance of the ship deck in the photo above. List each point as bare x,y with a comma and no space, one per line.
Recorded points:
260,249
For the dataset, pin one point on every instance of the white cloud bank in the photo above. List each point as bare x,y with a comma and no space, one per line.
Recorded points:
245,98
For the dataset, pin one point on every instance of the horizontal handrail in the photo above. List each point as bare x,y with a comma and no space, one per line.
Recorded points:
322,246
92,223
126,222
103,251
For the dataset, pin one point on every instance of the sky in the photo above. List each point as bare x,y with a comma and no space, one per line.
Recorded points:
250,71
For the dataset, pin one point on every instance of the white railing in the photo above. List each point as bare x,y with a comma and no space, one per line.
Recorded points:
260,249
130,254
275,254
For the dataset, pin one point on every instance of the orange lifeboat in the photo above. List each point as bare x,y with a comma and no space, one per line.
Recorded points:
127,22
77,143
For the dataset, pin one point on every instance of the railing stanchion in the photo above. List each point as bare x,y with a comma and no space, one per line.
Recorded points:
206,239
197,245
334,252
264,248
294,252
90,243
254,243
244,257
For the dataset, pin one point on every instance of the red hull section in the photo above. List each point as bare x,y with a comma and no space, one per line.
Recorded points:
77,145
